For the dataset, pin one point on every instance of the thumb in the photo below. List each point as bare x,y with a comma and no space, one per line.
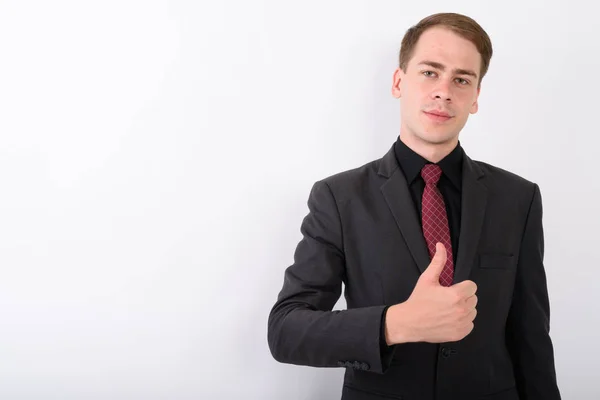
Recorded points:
437,264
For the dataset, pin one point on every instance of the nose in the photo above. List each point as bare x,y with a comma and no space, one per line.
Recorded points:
442,91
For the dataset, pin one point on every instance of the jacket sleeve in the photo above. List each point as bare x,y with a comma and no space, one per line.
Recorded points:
528,324
302,328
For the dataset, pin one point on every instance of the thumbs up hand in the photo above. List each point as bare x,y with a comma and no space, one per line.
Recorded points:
433,313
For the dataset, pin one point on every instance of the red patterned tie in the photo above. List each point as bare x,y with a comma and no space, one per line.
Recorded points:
435,220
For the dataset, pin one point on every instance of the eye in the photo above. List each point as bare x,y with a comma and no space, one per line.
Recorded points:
462,81
428,73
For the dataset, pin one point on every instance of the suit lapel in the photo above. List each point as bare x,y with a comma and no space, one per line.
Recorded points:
398,198
473,205
474,198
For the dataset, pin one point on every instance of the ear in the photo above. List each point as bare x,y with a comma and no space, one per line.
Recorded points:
397,79
475,105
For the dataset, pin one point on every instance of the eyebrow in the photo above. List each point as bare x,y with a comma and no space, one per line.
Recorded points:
442,67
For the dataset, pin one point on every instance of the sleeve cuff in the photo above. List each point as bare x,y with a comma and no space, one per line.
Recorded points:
386,351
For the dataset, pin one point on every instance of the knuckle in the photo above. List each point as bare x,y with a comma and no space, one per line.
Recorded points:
462,311
457,297
473,314
472,305
467,329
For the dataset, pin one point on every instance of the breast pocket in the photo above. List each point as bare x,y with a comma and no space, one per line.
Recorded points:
496,261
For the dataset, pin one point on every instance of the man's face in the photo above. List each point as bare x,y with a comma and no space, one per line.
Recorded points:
438,90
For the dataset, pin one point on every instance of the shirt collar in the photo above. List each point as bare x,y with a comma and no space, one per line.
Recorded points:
412,163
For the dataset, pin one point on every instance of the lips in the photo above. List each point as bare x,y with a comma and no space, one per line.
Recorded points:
438,116
439,113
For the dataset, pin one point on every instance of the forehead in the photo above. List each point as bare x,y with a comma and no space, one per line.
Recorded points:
444,46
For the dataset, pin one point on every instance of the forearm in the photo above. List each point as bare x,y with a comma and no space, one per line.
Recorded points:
303,336
397,330
529,343
528,325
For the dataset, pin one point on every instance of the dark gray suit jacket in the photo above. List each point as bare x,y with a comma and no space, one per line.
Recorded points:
362,230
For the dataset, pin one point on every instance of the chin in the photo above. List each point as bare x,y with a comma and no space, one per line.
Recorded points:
438,137
431,134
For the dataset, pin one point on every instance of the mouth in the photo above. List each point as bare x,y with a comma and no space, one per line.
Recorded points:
438,116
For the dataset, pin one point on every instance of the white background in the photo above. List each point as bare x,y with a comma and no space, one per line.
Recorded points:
156,159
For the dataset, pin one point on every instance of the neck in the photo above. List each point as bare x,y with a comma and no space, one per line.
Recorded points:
432,152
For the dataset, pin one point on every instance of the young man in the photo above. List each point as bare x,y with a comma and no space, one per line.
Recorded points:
441,256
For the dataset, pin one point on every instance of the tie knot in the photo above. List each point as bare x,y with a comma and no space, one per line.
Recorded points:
431,173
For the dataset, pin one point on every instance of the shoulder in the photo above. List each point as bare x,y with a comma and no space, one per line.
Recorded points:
352,182
503,182
501,175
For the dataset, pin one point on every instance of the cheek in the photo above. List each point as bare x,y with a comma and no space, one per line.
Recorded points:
465,102
468,97
417,88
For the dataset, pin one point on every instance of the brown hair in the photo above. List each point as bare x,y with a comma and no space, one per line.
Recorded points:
461,25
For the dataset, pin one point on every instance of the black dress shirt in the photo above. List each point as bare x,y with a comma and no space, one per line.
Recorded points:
450,186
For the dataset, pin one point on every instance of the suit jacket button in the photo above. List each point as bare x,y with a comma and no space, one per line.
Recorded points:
448,351
445,352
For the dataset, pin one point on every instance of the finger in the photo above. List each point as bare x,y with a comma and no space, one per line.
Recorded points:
466,288
437,264
471,302
472,314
